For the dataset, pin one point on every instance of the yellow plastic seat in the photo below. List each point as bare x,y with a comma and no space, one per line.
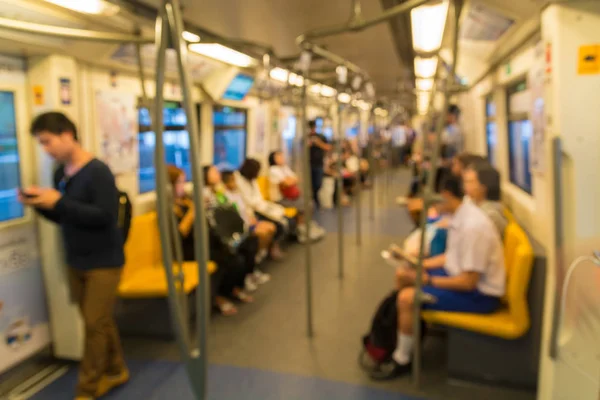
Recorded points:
263,184
512,320
144,275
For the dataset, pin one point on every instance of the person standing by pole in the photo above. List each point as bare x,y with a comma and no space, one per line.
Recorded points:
85,204
318,147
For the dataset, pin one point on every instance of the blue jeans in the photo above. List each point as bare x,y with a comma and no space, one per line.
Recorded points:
316,175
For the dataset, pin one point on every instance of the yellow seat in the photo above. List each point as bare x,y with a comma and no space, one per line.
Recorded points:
143,274
512,320
263,184
509,215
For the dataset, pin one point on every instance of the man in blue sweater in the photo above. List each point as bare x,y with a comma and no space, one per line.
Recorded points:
84,202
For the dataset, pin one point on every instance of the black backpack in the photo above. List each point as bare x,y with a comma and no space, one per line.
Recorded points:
227,225
380,342
125,215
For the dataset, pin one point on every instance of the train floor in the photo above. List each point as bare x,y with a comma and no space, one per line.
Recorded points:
264,353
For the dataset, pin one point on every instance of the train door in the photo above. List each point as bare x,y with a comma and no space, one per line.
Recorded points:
24,322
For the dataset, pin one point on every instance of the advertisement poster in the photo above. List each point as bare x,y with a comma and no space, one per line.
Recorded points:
536,83
24,327
65,91
261,127
117,127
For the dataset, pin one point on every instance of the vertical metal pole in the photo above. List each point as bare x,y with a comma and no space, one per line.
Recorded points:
178,271
358,188
339,181
308,210
163,206
371,147
199,370
558,242
416,367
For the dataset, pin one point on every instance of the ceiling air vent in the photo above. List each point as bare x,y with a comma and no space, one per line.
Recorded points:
484,24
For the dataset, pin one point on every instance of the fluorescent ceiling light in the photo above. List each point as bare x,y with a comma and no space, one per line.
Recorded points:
190,37
97,7
425,67
428,24
279,74
327,91
315,89
363,105
223,54
424,84
295,79
344,98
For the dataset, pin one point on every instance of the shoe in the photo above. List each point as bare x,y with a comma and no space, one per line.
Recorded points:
260,277
250,284
109,382
260,257
316,233
390,370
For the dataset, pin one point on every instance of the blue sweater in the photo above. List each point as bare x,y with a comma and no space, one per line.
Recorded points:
87,214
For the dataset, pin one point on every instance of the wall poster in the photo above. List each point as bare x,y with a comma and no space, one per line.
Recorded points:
537,77
24,327
117,130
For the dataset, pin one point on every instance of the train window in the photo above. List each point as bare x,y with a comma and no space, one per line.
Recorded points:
490,129
519,136
230,126
10,173
176,140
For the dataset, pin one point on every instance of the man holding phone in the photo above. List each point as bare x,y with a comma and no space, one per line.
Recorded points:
84,202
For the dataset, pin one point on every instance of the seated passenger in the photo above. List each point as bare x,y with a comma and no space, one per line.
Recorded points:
270,211
248,248
331,170
228,279
283,183
459,163
470,277
481,182
264,230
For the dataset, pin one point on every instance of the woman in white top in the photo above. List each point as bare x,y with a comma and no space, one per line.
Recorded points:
282,178
267,210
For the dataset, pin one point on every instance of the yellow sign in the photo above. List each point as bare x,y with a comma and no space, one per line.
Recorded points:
589,60
38,95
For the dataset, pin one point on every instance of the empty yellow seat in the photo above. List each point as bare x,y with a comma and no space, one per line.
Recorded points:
512,320
144,275
263,184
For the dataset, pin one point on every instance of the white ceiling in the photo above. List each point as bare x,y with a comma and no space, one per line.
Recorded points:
278,23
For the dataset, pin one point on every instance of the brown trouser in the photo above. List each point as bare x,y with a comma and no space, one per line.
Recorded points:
95,291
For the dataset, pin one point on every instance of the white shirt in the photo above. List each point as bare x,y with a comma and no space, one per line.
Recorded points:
399,136
250,193
277,174
474,245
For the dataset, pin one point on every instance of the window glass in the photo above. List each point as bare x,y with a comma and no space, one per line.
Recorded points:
230,137
10,175
519,136
519,141
490,130
175,138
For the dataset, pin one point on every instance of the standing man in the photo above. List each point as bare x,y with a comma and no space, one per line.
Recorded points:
84,202
318,148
